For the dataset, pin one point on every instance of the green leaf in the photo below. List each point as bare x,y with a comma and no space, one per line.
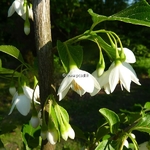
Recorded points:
96,18
30,136
112,118
101,132
12,51
104,145
136,14
147,105
75,51
144,124
9,72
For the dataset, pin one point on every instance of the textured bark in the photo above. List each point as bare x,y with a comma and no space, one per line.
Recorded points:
43,39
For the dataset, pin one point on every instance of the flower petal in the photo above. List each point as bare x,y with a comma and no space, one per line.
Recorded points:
114,77
85,81
107,88
63,93
65,83
130,57
14,102
133,75
18,6
11,10
23,104
103,79
96,87
77,88
125,78
29,93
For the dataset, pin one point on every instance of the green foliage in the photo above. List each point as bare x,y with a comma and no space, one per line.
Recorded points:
12,51
66,51
30,136
112,118
104,145
136,14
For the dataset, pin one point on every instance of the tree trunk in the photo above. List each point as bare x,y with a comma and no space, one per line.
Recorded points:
43,39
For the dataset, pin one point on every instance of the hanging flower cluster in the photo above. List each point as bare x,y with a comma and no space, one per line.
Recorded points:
57,125
120,71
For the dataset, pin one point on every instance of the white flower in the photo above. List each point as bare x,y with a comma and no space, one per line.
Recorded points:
22,103
52,136
17,6
122,73
80,81
29,93
34,121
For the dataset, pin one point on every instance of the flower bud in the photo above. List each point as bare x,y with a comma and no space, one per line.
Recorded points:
52,136
71,132
43,134
12,91
35,121
100,71
27,26
63,132
126,144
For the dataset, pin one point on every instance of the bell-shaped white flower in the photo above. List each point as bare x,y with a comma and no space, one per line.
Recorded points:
17,6
23,100
122,73
80,81
22,103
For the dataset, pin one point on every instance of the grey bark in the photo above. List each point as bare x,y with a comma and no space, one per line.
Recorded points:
43,39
